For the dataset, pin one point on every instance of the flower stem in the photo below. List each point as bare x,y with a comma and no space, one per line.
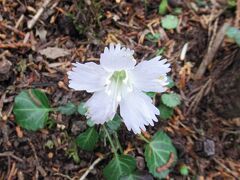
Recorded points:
118,143
143,138
110,140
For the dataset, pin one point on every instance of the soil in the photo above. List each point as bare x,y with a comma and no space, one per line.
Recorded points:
207,143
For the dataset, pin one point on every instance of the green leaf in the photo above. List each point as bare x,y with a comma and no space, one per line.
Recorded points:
162,9
120,165
88,139
67,109
231,32
170,82
151,94
165,111
169,22
153,37
31,109
184,170
115,123
157,154
171,100
90,123
82,109
232,3
237,38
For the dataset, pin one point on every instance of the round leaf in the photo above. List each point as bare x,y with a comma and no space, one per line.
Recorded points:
231,32
165,112
157,154
171,100
170,82
90,123
88,139
82,109
120,165
169,22
68,109
31,109
115,123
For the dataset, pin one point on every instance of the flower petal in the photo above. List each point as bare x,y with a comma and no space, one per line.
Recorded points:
150,76
137,111
101,107
89,76
117,58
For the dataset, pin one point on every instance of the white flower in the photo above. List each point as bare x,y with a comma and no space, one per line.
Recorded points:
119,81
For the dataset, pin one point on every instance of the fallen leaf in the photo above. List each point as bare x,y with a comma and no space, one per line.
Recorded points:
54,52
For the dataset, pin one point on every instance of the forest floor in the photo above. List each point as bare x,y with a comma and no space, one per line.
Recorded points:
205,142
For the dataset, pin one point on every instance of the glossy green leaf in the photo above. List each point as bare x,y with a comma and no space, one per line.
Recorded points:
82,109
31,109
157,153
162,9
88,139
165,111
169,22
67,109
171,100
115,123
120,165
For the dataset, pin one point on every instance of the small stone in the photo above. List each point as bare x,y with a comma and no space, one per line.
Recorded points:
205,148
140,163
209,147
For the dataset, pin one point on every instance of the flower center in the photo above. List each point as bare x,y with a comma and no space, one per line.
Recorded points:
118,85
118,76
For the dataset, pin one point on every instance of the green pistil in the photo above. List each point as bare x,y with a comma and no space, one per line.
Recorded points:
118,76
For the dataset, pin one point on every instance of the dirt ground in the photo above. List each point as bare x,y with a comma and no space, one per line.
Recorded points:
206,143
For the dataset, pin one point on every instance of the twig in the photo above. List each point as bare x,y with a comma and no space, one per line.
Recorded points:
91,167
15,45
10,154
39,168
35,18
226,168
237,19
212,49
63,175
15,30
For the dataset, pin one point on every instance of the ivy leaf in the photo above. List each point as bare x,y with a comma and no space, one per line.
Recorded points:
115,123
169,22
137,176
162,9
31,109
82,109
157,153
88,139
120,165
165,111
67,109
171,100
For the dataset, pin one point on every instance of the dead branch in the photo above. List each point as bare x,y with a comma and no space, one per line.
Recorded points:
212,49
10,154
35,18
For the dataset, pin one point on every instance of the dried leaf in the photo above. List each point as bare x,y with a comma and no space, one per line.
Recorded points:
54,52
